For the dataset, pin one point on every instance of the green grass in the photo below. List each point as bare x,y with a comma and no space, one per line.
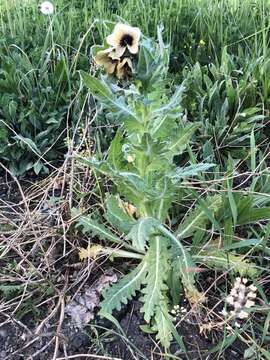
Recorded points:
40,56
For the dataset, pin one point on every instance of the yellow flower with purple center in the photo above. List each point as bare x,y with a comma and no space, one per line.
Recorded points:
124,68
124,37
123,45
106,59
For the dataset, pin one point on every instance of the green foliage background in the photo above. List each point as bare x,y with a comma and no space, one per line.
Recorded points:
39,57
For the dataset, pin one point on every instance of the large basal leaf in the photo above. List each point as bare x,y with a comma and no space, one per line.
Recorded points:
131,186
183,265
185,268
124,289
157,273
141,232
117,216
163,201
163,324
93,227
198,218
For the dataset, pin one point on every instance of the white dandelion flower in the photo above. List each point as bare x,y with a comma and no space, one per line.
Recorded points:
47,8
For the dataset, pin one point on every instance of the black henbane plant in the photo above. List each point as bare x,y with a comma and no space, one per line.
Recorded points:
140,162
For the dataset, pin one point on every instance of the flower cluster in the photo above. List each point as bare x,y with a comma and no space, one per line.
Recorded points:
123,45
241,297
177,312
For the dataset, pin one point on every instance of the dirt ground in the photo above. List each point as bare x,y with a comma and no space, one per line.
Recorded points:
29,338
17,343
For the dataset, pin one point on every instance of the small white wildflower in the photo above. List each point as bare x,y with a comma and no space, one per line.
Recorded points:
224,312
242,287
249,303
130,158
251,295
237,305
230,300
236,286
243,315
241,296
252,287
47,8
234,292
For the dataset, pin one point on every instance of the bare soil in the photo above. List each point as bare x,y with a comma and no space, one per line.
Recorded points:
23,337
